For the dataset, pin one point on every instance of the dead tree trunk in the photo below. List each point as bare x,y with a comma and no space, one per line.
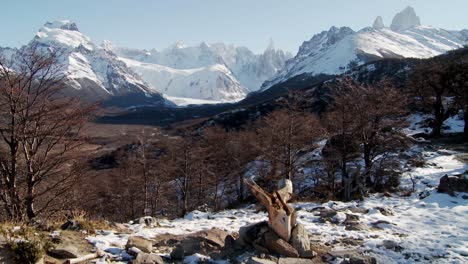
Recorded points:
281,216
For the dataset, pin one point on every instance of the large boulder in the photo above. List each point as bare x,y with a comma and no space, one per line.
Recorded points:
64,251
250,234
295,261
145,258
300,241
275,244
257,260
141,243
452,184
360,260
206,242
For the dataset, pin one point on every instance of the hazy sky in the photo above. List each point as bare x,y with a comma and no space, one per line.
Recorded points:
251,23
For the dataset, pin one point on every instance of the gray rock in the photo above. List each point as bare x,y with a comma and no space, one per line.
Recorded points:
300,240
146,220
71,225
385,211
145,258
141,243
295,261
248,234
206,242
360,260
256,260
452,184
64,252
275,244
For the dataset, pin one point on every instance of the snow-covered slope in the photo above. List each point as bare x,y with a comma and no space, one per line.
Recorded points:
339,49
93,73
209,83
425,227
211,72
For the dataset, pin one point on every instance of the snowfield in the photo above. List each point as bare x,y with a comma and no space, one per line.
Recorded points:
393,228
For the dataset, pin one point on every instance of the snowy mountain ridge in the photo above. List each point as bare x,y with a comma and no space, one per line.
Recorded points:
339,49
90,72
209,71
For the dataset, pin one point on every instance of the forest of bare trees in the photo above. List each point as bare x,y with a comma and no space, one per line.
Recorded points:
45,168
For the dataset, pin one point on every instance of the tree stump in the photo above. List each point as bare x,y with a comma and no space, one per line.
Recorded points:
281,216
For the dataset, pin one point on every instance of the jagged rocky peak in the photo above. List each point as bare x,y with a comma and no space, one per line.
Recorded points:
178,45
62,24
324,39
378,23
405,19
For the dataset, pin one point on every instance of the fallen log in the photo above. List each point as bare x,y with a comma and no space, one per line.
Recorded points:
84,258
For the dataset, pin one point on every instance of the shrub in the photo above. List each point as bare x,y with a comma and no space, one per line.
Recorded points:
27,245
28,252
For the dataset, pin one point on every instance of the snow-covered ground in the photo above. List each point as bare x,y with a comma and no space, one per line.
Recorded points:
429,230
184,101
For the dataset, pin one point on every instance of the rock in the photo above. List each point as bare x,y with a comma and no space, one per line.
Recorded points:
300,240
140,243
147,221
64,252
295,261
256,260
452,184
248,234
355,227
326,215
424,194
360,260
359,210
71,225
122,228
145,258
352,223
378,23
206,242
385,211
405,19
351,218
214,236
275,244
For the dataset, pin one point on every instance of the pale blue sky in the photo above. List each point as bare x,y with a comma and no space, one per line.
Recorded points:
251,23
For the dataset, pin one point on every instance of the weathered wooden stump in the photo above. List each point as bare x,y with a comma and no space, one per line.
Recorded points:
281,216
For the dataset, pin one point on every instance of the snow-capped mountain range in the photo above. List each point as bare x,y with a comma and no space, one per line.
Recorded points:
92,73
225,73
211,72
337,50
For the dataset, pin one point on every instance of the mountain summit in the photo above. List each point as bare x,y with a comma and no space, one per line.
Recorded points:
339,49
378,23
216,72
405,20
93,73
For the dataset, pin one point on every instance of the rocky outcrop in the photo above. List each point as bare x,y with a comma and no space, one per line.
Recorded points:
452,184
405,19
378,23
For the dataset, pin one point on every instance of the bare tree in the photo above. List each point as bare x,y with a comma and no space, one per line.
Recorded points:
365,120
459,86
428,87
283,135
40,132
